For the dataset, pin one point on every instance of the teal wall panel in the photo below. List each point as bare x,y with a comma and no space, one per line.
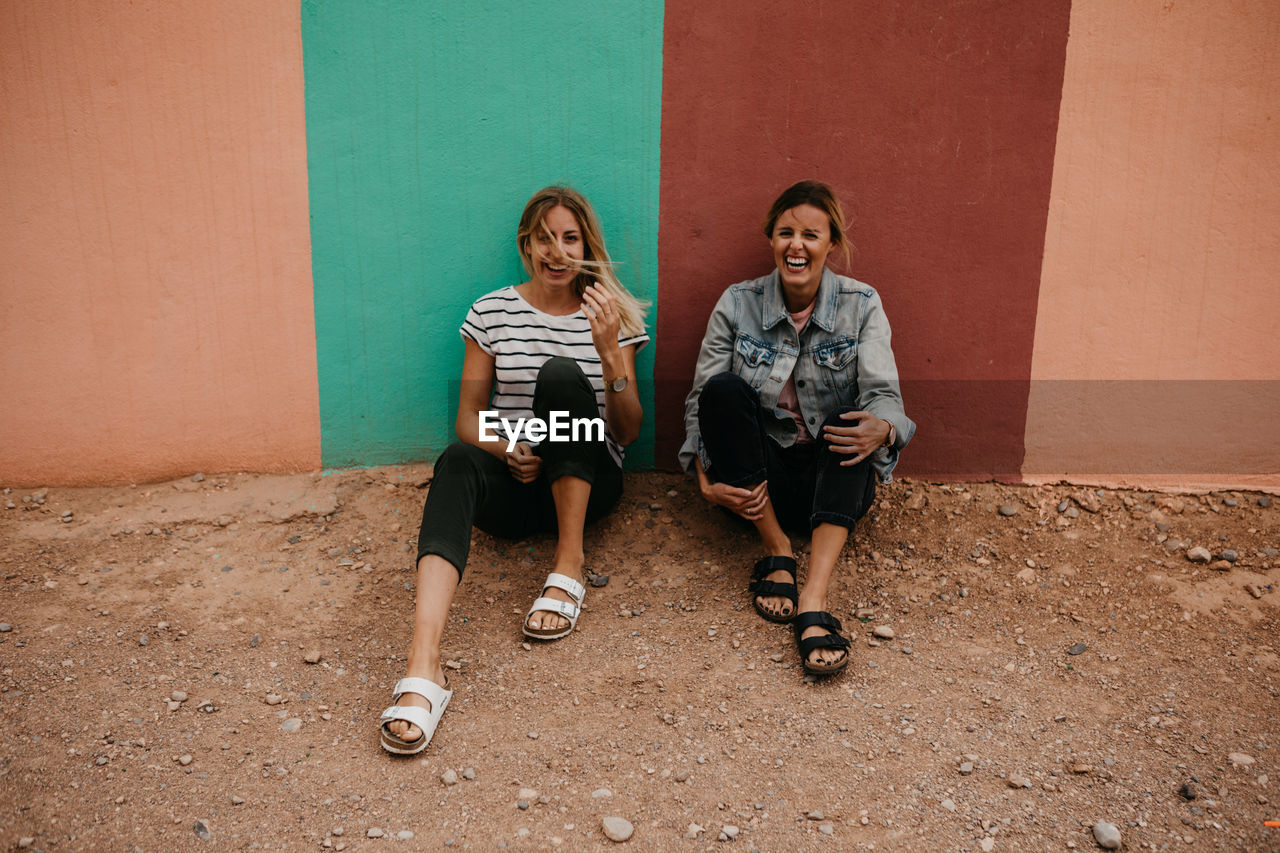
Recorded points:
428,127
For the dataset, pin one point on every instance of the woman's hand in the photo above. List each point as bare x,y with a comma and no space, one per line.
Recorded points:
602,313
523,463
858,441
748,503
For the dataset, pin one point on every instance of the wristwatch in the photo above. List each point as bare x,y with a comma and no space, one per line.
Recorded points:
617,386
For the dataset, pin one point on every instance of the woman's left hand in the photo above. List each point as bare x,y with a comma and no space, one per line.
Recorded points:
602,313
858,441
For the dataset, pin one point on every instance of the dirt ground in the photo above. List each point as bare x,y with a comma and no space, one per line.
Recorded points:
199,665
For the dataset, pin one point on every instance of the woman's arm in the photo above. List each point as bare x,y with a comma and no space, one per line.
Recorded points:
714,356
477,388
622,409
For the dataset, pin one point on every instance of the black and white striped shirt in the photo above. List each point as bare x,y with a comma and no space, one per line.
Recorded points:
521,339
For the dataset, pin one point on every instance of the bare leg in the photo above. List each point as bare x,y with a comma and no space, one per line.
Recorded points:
437,580
776,544
570,495
828,542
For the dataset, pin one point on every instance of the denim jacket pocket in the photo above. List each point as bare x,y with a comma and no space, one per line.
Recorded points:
753,359
838,362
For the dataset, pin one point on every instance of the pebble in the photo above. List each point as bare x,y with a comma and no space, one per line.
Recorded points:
197,477
949,804
202,831
237,800
1253,589
827,829
1229,555
598,580
987,844
527,794
1239,759
312,657
617,829
26,841
337,831
1008,510
1016,781
1077,649
693,831
815,815
600,793
1187,791
184,760
292,724
1264,501
1199,554
178,696
1107,835
274,699
404,834
5,627
449,777
728,832
966,768
468,773
884,632
373,832
682,776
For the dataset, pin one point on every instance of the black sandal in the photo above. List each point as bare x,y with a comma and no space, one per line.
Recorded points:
761,588
833,640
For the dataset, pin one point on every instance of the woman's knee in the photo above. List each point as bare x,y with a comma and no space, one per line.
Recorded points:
559,369
726,389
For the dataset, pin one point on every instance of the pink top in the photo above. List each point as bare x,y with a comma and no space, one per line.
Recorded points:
787,399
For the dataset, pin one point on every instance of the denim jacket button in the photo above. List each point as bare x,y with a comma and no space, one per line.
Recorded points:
799,383
810,420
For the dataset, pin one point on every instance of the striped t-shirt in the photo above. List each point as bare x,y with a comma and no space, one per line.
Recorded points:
521,339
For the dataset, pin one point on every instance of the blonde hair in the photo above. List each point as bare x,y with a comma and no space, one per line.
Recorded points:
595,266
818,195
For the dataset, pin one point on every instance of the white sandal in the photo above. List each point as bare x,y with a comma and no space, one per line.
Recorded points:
567,609
426,720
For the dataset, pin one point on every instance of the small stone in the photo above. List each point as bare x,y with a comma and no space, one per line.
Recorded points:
1087,500
202,831
1187,791
26,841
1239,759
1264,501
816,815
728,832
1016,781
1027,575
1080,769
273,699
404,834
527,794
884,632
1077,649
1220,565
1199,554
237,800
184,760
197,477
827,829
5,627
987,844
292,724
178,696
966,768
949,804
1107,835
337,831
449,777
253,643
600,793
598,580
373,832
1007,510
1229,555
693,831
468,773
533,735
682,776
1253,589
617,829
312,657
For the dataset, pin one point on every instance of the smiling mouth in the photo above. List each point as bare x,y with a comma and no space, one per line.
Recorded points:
556,267
797,264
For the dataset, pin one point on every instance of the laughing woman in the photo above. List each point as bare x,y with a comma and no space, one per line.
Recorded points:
562,342
795,412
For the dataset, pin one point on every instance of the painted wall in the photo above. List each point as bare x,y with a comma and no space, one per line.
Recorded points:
937,130
427,132
1156,352
155,295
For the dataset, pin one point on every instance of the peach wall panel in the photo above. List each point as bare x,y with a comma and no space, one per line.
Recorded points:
1156,358
155,300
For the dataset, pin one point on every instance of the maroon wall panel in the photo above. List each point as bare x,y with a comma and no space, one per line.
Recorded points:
936,128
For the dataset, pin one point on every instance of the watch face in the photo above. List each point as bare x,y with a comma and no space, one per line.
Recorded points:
619,384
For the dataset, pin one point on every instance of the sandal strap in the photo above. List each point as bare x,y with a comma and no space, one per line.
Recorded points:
427,689
816,618
766,589
822,641
420,717
567,609
575,590
768,565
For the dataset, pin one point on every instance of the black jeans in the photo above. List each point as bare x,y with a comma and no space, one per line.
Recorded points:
807,484
471,487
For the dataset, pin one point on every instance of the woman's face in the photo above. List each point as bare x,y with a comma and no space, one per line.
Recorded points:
555,248
801,243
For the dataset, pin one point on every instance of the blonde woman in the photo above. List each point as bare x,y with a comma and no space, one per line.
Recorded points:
565,342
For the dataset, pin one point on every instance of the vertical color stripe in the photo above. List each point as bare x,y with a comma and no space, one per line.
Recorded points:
155,295
936,128
428,128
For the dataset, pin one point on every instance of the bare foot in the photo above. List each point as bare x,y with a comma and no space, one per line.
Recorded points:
822,658
403,729
544,620
778,606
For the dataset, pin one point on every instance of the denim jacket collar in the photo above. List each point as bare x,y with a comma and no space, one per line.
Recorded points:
774,309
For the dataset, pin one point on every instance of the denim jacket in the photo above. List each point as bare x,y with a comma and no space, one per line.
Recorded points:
842,358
